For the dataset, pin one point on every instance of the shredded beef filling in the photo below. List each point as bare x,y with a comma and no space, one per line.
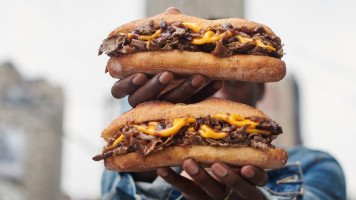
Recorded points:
178,36
143,144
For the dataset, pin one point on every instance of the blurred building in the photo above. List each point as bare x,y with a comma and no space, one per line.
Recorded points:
31,113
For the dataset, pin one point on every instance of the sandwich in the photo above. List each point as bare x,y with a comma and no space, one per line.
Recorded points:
157,134
227,49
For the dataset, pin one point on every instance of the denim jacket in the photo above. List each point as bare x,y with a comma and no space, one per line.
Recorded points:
309,174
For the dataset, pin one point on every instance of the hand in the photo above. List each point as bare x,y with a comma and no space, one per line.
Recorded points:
141,88
203,185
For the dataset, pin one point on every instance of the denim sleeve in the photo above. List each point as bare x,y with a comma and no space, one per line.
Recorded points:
121,186
323,175
309,174
118,186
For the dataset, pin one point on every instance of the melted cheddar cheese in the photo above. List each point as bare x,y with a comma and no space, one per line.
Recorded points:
208,37
244,39
207,132
258,43
149,37
239,121
195,27
177,124
129,36
116,142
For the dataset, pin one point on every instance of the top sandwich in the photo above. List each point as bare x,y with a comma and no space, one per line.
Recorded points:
178,33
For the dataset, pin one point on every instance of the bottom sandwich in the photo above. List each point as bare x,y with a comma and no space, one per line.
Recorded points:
156,134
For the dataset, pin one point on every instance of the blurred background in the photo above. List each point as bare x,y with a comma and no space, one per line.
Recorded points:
55,97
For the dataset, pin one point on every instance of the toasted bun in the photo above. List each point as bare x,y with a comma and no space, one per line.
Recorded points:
251,68
157,110
172,15
174,156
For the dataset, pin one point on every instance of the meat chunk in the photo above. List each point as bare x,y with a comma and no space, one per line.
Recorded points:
221,50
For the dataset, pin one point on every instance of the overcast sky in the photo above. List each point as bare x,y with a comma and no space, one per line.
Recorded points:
58,40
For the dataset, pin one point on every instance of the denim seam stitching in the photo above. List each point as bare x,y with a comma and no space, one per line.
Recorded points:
301,191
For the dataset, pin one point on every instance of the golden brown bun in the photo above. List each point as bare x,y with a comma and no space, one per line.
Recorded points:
172,15
174,156
157,110
251,68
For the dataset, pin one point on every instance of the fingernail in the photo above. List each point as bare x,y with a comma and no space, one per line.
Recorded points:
165,77
192,168
218,85
198,81
249,173
139,79
162,172
220,170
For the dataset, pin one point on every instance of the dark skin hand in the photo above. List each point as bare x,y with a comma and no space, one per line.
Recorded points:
216,183
195,182
141,88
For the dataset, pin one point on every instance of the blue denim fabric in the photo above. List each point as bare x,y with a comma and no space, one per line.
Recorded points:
286,181
309,175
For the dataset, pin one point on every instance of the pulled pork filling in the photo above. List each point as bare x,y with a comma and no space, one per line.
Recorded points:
144,144
178,36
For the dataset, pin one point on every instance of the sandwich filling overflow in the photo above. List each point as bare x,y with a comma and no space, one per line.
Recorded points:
223,40
217,130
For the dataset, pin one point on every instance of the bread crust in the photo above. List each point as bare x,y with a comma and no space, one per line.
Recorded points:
253,68
157,110
172,15
174,156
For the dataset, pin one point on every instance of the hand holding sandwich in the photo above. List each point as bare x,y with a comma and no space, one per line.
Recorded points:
141,88
222,182
155,135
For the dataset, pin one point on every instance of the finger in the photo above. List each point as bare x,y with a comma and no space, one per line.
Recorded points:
202,177
151,89
128,85
207,91
254,175
190,189
236,182
185,89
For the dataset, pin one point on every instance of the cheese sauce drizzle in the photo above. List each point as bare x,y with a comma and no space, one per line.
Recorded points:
204,131
208,36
